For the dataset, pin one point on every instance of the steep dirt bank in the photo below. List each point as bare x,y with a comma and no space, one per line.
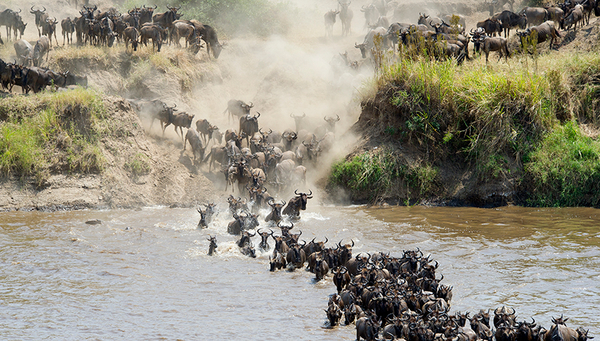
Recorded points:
164,176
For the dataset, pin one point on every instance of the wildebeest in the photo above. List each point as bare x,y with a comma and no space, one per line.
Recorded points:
40,17
131,34
11,19
367,328
24,52
213,245
341,278
275,214
196,143
68,27
369,41
153,32
535,15
345,16
167,18
249,126
541,33
490,26
264,237
183,29
238,108
49,29
41,49
277,262
509,20
575,16
490,44
321,269
371,14
330,21
555,14
334,314
209,35
181,120
296,204
295,257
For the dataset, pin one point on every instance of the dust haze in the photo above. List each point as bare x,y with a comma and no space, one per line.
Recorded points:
297,72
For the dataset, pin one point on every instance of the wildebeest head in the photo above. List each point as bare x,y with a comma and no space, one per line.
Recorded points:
303,198
202,222
213,245
334,313
245,239
561,320
582,334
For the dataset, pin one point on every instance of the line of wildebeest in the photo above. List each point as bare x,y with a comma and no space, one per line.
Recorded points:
384,296
138,25
444,36
252,157
103,28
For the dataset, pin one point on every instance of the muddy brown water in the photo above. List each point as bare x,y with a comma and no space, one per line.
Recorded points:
145,275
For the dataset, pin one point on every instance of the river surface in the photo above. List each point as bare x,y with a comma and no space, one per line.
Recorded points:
145,275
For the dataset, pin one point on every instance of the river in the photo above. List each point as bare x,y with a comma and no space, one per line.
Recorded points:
144,274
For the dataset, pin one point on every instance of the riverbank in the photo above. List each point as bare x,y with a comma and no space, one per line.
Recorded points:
523,132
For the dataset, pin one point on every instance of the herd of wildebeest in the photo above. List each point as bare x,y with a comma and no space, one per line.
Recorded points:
397,298
100,28
445,36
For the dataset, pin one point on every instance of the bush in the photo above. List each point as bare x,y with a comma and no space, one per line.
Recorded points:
564,170
51,132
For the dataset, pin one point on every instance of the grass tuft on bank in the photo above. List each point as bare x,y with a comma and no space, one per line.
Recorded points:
500,120
52,132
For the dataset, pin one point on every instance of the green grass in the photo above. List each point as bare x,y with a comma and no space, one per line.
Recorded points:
492,117
564,170
52,133
138,165
376,174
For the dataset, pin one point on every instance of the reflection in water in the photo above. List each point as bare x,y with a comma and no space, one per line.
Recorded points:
145,274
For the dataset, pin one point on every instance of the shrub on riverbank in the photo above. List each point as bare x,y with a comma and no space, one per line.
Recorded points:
51,132
503,122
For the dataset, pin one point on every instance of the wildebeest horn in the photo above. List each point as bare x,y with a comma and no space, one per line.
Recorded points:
252,234
338,117
352,240
296,192
325,118
251,105
31,10
326,240
309,196
199,210
513,311
258,231
257,115
283,204
155,6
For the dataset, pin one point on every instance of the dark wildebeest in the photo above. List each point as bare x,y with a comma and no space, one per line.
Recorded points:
367,328
369,41
321,269
509,20
560,332
275,214
153,32
334,314
209,35
237,108
167,18
330,21
535,15
491,26
36,80
296,204
277,262
245,239
288,137
42,47
181,120
555,14
131,34
68,27
196,143
371,14
345,16
24,52
213,245
490,44
49,29
40,18
249,126
575,16
341,278
11,19
146,14
295,257
543,32
264,237
205,129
